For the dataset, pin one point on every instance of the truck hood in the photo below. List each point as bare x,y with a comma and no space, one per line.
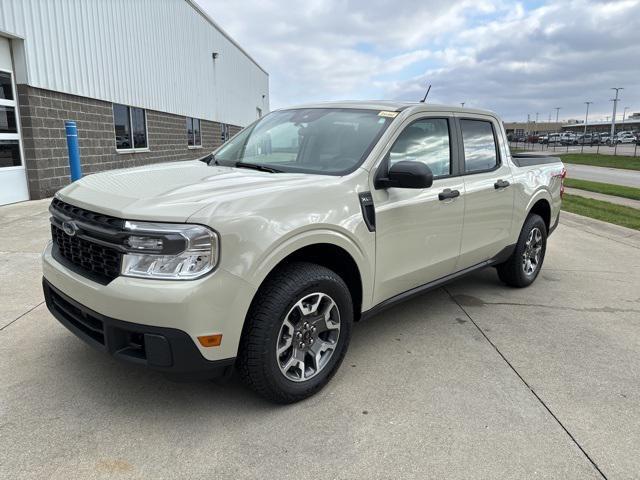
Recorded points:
172,192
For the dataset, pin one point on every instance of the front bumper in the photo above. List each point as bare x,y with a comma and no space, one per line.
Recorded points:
215,304
165,349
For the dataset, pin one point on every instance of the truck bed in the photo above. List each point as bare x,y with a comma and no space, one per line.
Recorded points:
531,159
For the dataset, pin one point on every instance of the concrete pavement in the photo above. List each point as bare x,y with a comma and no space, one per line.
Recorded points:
616,176
475,380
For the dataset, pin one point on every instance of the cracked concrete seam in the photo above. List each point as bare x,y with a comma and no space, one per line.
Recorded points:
21,315
533,392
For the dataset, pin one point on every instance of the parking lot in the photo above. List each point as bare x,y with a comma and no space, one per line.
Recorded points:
475,380
626,149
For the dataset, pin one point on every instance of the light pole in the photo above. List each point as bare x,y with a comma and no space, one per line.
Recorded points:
624,115
615,105
462,104
557,109
586,118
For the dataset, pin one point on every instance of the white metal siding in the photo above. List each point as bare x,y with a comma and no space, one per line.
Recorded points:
155,54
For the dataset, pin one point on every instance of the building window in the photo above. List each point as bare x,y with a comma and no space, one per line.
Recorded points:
8,120
6,87
226,134
10,153
9,135
194,134
130,126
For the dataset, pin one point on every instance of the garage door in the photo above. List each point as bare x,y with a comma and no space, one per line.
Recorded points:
13,178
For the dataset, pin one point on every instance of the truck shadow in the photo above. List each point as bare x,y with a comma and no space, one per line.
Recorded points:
94,379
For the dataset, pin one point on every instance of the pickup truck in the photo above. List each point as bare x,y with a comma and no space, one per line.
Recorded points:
259,257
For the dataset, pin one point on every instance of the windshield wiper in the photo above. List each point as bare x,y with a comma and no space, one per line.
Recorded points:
256,166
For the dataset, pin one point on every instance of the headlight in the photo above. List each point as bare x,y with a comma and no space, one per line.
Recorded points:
169,251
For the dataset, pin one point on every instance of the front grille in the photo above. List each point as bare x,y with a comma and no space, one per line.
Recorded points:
94,251
97,259
90,217
82,320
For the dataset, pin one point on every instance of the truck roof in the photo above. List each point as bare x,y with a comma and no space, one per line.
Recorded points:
393,106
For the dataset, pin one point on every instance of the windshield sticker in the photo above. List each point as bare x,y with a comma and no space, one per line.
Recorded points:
388,114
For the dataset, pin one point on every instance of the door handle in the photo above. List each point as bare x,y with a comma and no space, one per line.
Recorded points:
501,184
448,193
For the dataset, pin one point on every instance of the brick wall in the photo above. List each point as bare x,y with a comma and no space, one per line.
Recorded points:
42,116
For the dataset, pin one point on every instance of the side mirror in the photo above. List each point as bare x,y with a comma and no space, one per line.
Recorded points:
406,174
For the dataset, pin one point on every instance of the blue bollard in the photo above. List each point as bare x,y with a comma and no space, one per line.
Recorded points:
74,149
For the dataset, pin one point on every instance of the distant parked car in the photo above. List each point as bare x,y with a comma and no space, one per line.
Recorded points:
543,139
589,139
567,138
625,137
554,138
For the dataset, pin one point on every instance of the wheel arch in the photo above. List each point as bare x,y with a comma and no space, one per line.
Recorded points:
542,207
330,249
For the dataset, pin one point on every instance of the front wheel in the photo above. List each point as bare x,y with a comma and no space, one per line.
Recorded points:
297,332
522,268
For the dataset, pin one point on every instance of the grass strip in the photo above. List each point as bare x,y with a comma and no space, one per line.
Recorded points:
606,188
596,160
605,211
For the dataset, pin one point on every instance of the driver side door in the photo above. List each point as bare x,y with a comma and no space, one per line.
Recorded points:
419,231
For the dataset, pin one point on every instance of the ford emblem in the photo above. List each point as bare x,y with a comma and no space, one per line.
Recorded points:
70,228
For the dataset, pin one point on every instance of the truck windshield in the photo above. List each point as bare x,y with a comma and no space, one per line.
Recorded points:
326,141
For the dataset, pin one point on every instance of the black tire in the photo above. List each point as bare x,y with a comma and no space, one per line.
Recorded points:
258,362
512,272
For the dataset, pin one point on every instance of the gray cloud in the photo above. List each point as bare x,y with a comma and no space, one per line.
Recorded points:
491,54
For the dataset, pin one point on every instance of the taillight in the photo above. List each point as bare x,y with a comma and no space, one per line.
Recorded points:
562,176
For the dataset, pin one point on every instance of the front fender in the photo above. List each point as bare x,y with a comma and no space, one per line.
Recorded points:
294,242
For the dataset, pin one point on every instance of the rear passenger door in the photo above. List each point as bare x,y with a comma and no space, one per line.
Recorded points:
489,194
418,231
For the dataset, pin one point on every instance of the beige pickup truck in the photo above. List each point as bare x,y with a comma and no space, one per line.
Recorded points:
261,256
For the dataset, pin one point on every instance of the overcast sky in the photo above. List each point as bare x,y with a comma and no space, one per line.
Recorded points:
511,57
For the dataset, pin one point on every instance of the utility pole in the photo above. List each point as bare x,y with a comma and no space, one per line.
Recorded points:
557,109
537,113
613,118
586,118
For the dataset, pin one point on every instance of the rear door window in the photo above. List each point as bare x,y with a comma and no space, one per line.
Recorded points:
480,150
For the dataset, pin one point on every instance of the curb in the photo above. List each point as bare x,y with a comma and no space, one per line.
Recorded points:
616,233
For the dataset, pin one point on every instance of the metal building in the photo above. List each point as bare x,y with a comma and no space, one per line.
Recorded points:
145,80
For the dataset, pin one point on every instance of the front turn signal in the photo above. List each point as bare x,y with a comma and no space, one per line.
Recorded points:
210,340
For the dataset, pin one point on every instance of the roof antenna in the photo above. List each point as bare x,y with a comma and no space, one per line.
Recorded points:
426,94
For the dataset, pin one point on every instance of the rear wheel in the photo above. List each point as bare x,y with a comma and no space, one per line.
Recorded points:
522,268
297,333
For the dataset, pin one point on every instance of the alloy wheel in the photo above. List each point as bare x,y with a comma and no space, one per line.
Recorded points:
308,337
532,251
